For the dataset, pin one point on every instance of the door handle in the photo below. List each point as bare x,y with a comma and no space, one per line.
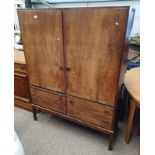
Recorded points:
68,69
61,68
65,69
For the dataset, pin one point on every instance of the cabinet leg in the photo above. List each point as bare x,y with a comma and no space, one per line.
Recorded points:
111,142
34,113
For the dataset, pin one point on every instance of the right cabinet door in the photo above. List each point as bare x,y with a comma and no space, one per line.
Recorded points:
93,43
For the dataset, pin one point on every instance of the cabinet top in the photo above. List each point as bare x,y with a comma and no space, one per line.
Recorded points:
19,57
77,7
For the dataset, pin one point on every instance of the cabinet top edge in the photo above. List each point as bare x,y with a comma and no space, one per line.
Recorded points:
96,7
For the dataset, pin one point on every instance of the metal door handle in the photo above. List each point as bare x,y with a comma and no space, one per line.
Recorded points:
63,68
68,69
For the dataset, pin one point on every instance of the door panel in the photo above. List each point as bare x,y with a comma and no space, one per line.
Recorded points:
48,99
42,38
90,112
93,41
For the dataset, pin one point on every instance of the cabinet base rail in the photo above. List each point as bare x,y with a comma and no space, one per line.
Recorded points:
103,130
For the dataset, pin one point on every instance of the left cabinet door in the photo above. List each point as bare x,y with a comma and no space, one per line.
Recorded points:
41,31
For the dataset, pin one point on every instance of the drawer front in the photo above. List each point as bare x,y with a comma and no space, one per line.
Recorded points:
21,87
20,67
90,112
48,99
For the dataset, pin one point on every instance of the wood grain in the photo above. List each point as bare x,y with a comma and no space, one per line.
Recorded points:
48,99
21,85
130,122
42,39
23,104
93,48
90,112
18,67
132,83
76,120
19,57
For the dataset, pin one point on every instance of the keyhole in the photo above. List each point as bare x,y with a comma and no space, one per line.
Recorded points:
117,23
35,16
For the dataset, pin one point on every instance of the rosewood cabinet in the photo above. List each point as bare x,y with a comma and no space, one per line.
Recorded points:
76,60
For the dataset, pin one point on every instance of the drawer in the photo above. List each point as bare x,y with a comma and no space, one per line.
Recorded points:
90,112
21,86
48,99
20,67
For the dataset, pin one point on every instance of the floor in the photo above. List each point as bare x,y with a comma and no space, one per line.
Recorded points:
52,135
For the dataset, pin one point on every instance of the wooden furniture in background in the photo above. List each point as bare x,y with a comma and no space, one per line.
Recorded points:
76,59
21,87
132,84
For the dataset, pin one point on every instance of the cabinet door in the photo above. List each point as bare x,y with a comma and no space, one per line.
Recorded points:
21,89
41,31
93,42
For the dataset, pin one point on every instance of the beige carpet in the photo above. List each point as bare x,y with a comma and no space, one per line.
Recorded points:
51,135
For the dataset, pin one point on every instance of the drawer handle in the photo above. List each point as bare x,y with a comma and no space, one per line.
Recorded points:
107,112
71,102
22,67
105,122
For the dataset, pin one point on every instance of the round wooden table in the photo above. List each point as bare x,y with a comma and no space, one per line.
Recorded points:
132,85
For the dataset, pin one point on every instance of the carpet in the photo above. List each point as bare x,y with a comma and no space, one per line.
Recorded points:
52,135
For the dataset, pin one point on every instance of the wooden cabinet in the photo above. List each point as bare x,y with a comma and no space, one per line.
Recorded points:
21,84
76,61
